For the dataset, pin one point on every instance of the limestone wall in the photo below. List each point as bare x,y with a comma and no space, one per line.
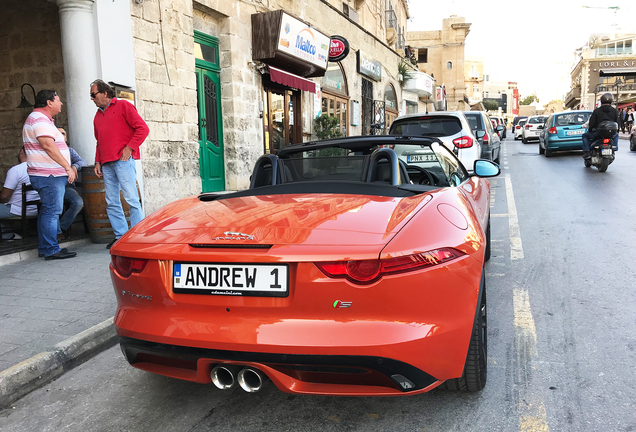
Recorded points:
167,99
31,52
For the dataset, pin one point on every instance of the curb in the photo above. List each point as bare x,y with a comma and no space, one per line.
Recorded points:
42,368
33,253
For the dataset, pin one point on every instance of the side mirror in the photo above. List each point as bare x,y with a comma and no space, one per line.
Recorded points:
486,168
480,134
499,128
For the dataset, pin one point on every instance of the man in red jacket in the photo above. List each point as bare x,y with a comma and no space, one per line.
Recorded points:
119,131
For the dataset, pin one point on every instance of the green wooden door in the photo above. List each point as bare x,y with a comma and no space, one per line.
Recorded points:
211,158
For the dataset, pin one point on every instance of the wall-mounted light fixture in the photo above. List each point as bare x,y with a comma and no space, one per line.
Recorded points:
24,103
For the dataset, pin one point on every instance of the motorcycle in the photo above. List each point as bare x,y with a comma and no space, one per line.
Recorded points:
602,148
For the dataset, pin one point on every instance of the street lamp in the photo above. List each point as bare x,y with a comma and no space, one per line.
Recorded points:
617,84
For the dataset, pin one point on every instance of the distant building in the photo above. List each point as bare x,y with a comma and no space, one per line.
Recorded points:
608,66
440,54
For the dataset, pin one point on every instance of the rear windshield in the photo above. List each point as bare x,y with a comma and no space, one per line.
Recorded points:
537,120
474,120
437,126
571,119
325,164
522,122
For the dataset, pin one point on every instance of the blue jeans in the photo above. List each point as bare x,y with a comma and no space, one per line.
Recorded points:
75,204
121,175
51,191
588,137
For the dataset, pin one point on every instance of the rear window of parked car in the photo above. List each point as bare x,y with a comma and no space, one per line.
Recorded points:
522,122
571,119
537,120
436,126
474,120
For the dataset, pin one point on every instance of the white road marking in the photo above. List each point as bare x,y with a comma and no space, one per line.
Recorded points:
516,248
499,215
530,406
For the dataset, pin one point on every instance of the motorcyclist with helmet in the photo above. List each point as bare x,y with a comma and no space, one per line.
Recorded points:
606,112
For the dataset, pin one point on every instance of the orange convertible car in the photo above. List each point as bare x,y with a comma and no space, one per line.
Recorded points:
352,266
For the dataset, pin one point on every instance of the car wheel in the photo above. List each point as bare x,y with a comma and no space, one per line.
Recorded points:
541,149
524,140
475,373
548,152
632,144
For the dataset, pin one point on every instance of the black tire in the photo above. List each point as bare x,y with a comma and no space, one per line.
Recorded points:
603,165
475,373
523,140
632,144
487,254
541,149
548,152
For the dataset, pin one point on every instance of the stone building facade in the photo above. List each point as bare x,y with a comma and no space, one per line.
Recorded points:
608,67
189,68
440,54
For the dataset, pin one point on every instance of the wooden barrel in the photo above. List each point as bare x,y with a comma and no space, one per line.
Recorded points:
94,196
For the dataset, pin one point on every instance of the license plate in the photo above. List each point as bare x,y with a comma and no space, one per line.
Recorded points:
606,152
262,280
575,132
421,158
536,133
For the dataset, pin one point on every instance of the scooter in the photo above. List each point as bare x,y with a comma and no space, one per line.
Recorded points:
602,148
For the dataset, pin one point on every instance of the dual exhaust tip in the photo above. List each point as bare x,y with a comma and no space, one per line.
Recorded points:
225,376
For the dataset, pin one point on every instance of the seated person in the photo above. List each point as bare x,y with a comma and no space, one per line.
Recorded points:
11,194
71,198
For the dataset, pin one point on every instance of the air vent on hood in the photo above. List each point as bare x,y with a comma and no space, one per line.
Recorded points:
230,246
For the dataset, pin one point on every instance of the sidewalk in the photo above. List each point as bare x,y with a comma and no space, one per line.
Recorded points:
46,308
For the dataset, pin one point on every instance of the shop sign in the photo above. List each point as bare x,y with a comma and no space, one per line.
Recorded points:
339,48
368,67
617,64
299,40
515,101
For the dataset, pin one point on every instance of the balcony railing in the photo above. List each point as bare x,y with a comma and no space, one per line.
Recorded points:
605,52
610,88
401,42
391,19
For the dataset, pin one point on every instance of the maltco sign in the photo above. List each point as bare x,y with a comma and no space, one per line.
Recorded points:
620,63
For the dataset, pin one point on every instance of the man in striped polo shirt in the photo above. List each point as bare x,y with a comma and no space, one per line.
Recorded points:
49,169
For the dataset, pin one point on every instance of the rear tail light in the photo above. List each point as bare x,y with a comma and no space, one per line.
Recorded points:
606,140
463,142
552,130
518,127
365,272
486,139
126,266
527,127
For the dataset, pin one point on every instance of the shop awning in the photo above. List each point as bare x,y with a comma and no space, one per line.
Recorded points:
619,71
291,80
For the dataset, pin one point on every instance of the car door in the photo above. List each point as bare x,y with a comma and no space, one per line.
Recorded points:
495,141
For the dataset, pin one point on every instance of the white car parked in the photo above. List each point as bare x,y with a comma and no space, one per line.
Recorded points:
532,128
451,127
519,128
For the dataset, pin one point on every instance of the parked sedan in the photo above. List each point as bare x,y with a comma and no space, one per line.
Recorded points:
532,128
563,131
335,273
518,129
500,122
486,134
451,128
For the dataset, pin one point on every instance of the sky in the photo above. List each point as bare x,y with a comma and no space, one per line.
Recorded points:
530,43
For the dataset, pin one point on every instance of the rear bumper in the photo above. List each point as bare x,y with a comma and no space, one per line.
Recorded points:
564,144
345,375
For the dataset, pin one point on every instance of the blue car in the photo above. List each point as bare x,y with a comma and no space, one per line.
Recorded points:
563,131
